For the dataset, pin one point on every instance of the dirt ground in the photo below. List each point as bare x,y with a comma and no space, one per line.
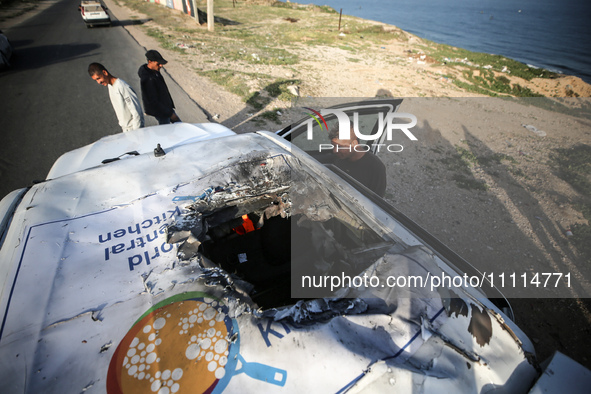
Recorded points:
477,178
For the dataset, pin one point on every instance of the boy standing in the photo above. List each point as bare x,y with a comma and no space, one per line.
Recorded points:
123,98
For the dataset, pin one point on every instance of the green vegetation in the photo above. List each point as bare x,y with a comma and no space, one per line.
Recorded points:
452,55
280,33
461,163
234,81
464,159
270,115
485,81
166,40
305,7
257,101
278,89
262,34
455,163
573,165
581,238
467,156
485,73
237,83
496,158
469,183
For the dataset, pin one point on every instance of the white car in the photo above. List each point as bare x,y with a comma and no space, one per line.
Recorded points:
94,13
175,259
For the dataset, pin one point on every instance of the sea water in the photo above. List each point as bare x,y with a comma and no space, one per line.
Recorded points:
551,34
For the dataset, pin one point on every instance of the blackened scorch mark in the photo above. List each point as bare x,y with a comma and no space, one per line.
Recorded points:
458,307
480,325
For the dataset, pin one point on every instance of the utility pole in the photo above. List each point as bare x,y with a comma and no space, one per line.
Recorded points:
210,15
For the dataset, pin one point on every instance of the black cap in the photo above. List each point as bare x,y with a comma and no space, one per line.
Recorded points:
155,56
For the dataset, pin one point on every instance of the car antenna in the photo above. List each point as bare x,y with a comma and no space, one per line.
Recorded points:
159,151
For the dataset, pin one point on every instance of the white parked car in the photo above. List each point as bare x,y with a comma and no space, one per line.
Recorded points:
174,259
94,13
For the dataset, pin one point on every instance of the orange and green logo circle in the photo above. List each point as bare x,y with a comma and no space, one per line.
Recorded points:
181,345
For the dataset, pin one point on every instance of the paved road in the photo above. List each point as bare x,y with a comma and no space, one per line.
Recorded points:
50,105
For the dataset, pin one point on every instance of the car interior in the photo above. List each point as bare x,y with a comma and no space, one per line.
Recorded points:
262,238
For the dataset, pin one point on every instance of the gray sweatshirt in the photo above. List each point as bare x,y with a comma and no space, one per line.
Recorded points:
126,105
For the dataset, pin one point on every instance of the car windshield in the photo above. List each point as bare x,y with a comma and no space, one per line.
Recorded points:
313,130
263,218
368,123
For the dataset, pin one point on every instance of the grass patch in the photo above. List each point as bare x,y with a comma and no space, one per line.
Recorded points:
462,163
229,79
272,116
517,172
248,35
486,81
469,183
455,163
278,89
581,238
467,156
485,73
255,53
167,41
240,84
306,7
376,33
573,165
262,34
452,55
496,158
257,100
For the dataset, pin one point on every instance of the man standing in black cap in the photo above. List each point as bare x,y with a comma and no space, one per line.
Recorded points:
155,95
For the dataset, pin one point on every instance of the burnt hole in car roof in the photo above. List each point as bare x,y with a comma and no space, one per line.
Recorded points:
259,221
480,325
457,307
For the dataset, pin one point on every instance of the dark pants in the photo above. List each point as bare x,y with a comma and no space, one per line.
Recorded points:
168,120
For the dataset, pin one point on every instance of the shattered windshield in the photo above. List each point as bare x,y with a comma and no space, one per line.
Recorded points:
264,218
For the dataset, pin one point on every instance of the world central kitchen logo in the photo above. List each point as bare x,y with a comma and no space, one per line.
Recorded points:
348,129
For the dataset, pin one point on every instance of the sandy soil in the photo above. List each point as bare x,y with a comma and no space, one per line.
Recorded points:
517,224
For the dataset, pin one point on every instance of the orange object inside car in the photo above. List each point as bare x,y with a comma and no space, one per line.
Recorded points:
247,226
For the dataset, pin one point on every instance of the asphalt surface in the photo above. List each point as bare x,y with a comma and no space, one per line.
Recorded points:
49,105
